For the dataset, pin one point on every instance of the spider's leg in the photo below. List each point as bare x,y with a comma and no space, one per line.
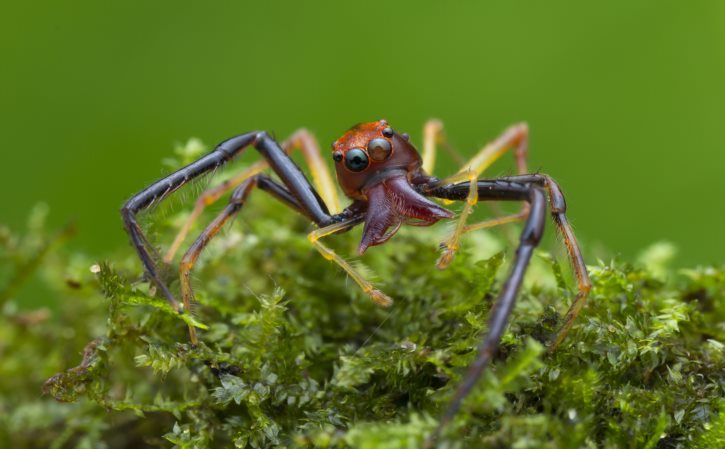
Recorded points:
376,295
321,178
451,244
159,190
490,188
295,181
530,238
236,201
306,142
433,135
493,222
558,212
207,198
515,137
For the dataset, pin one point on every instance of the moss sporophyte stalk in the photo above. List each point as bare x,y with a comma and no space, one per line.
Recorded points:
291,355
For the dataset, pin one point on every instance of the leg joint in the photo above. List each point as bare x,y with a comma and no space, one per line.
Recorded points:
129,209
128,216
230,147
260,137
585,286
556,197
186,264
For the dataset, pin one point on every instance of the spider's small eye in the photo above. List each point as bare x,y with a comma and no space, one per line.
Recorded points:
388,132
379,149
337,156
356,160
406,136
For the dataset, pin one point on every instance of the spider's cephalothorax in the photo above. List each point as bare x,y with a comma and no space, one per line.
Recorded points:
377,166
389,183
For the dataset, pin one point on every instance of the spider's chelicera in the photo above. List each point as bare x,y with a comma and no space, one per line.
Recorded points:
389,184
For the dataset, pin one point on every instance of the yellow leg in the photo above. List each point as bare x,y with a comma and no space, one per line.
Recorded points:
433,136
515,137
584,284
513,218
192,254
207,198
376,295
451,244
321,178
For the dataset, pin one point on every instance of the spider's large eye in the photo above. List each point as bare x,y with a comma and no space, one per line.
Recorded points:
379,149
356,160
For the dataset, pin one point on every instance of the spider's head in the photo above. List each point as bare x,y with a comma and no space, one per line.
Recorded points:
375,164
370,152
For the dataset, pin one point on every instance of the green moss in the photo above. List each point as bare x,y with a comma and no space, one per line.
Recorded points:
294,355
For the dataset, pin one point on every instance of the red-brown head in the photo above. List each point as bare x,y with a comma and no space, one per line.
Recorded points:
368,152
375,164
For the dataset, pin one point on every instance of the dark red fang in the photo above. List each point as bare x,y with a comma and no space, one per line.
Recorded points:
392,202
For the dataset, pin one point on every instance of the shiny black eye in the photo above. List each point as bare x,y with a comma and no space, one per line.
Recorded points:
388,132
356,160
337,156
379,149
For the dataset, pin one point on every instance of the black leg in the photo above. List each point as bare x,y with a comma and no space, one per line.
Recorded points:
558,213
298,188
530,237
506,189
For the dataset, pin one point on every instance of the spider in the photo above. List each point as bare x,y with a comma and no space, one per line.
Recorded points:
389,184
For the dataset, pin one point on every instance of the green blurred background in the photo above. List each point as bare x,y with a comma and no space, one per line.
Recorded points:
625,99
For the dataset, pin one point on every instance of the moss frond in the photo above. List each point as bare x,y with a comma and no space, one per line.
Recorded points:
292,354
